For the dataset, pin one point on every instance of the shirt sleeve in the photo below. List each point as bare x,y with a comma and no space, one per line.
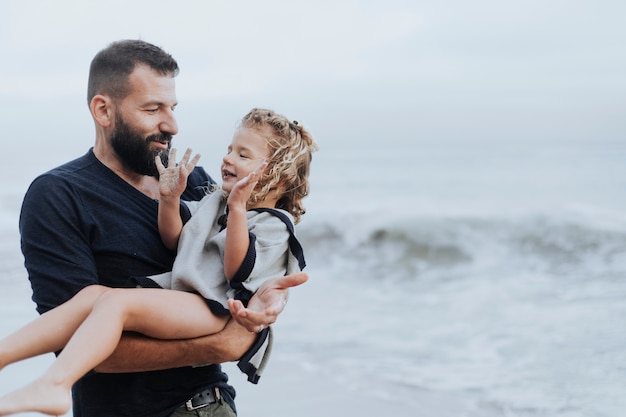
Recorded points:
54,243
199,184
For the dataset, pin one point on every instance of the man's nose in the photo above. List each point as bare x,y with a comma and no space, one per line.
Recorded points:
169,124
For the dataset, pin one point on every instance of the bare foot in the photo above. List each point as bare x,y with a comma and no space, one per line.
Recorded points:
40,396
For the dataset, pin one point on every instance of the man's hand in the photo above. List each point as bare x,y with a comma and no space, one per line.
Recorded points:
138,353
266,304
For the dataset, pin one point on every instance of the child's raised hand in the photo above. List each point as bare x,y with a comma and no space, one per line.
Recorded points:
173,178
240,193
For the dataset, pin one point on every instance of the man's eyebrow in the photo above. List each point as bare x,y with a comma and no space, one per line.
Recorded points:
159,103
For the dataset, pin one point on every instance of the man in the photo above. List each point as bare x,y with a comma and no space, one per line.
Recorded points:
94,221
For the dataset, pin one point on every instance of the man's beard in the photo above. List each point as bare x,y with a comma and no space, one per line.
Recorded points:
134,151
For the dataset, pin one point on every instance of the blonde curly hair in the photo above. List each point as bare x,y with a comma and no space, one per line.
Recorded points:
290,148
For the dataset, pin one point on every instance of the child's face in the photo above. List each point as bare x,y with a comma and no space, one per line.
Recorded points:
246,151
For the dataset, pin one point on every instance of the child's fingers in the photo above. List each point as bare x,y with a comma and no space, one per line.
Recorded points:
193,162
253,177
171,162
185,158
260,168
184,162
159,164
247,182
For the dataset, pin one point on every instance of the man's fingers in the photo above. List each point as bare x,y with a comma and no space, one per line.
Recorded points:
254,319
267,303
236,307
279,289
292,280
249,319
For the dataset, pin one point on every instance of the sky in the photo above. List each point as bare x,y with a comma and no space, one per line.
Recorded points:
356,71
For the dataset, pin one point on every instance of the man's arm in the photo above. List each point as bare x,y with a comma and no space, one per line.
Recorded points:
136,353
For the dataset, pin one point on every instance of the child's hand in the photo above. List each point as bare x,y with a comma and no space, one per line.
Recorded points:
240,193
173,178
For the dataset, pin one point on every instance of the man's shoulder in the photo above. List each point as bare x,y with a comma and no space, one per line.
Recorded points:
83,175
76,168
199,184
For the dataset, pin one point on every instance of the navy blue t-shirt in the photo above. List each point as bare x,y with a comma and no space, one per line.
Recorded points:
81,224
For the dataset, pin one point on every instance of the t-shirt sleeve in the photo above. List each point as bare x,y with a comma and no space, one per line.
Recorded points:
54,242
199,184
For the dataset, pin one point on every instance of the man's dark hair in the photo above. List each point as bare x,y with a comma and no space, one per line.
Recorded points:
111,67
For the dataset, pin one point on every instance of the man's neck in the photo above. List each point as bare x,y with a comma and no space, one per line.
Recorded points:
144,183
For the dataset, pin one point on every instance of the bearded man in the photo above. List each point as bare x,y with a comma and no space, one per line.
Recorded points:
94,221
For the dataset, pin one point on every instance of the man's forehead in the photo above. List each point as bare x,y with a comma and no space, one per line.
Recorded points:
152,86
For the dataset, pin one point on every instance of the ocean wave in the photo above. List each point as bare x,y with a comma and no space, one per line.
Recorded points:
416,247
517,311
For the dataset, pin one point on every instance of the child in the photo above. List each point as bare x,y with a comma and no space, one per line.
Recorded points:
234,241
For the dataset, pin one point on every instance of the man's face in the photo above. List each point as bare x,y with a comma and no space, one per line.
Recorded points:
145,121
135,151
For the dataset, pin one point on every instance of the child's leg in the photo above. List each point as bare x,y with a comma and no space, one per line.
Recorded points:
52,330
156,313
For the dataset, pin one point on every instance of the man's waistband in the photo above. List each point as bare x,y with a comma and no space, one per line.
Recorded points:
203,398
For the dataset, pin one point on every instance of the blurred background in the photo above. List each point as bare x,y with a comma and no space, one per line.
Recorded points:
466,229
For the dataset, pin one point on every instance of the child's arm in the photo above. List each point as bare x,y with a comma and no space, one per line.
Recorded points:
237,238
172,184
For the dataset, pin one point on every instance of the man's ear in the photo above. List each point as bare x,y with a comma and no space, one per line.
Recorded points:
102,110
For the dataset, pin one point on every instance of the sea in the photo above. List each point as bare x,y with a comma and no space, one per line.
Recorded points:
491,273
